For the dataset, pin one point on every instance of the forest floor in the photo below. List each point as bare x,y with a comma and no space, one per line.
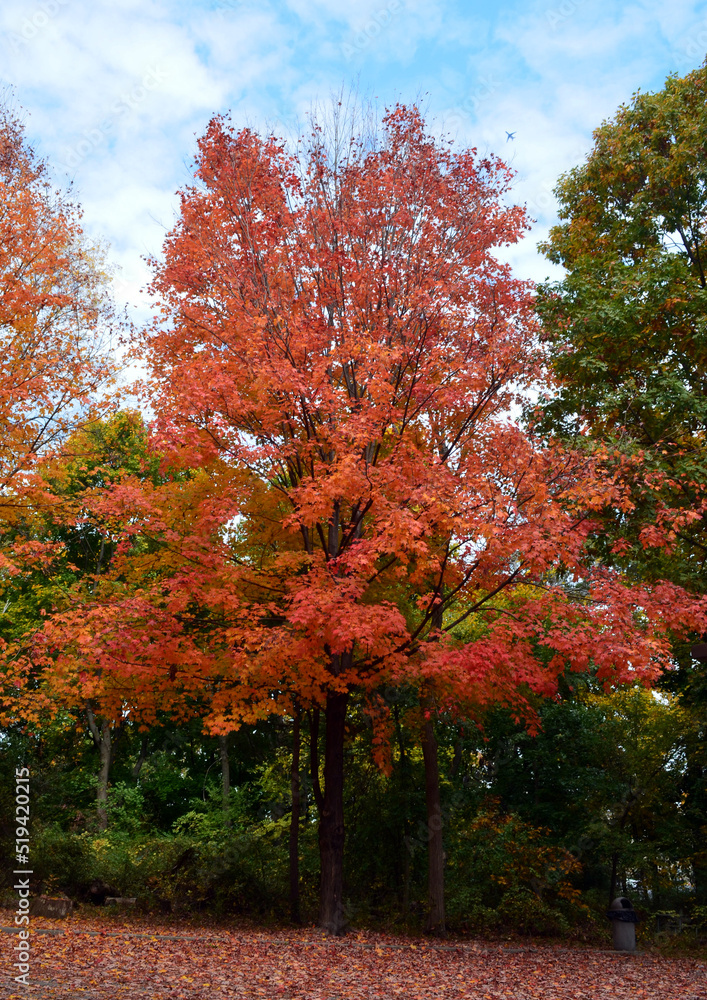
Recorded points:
133,959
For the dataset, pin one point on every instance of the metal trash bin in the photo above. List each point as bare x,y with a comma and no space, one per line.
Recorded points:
623,924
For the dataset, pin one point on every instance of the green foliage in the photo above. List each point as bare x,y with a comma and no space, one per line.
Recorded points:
93,460
126,808
52,543
607,775
62,861
523,911
201,864
627,325
627,330
539,861
507,874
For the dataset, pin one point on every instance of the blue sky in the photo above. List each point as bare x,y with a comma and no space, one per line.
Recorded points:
115,91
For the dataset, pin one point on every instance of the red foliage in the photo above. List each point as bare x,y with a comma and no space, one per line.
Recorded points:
339,350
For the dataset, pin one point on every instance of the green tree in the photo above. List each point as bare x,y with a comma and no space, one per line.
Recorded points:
627,328
606,775
627,324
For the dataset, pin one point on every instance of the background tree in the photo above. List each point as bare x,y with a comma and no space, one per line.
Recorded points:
55,315
627,323
606,774
56,320
627,327
71,552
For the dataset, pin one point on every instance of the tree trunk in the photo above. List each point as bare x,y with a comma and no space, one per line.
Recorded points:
314,758
103,775
700,880
331,812
142,757
294,821
102,741
331,818
404,789
225,777
435,919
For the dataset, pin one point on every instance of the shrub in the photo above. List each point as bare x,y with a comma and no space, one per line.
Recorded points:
505,873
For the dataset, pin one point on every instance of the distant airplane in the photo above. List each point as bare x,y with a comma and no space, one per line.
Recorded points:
511,135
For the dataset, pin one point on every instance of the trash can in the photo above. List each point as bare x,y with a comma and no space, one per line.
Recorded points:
623,924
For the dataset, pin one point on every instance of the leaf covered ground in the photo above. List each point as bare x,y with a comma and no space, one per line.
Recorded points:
96,959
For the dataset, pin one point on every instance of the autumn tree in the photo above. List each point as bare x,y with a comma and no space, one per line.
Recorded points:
55,315
65,550
338,340
338,354
56,321
55,324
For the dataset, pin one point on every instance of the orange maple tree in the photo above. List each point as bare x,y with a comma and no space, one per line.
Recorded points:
56,321
54,315
338,354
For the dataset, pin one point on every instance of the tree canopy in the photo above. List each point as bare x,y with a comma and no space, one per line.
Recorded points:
627,324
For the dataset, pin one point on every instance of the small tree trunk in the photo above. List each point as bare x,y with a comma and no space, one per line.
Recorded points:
225,777
102,741
696,809
142,757
331,818
404,790
294,820
435,919
103,775
314,758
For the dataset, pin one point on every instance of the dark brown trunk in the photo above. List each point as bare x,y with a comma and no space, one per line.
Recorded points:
102,741
331,818
142,758
225,777
700,880
404,789
331,810
103,775
294,821
435,882
314,759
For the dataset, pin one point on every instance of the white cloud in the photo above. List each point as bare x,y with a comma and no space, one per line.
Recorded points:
117,90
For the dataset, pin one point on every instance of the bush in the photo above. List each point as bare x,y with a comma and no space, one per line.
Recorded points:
126,808
524,911
506,874
200,865
63,862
